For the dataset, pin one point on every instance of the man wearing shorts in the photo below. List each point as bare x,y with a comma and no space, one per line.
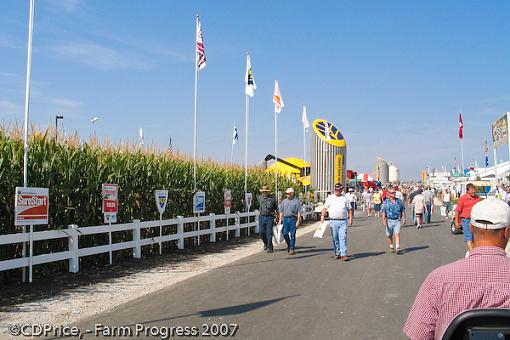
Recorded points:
367,200
419,207
393,216
463,214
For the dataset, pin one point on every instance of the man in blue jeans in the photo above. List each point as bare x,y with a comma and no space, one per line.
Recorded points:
290,216
266,205
340,213
393,216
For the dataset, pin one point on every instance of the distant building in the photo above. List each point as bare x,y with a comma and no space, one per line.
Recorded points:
382,171
394,174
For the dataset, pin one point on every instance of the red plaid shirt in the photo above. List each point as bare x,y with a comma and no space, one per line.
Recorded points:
480,281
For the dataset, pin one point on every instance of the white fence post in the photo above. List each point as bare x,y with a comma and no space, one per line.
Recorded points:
257,229
213,227
137,250
180,232
74,261
238,224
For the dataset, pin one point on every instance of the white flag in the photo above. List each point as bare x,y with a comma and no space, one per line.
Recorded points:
249,80
277,98
140,142
327,132
235,137
304,120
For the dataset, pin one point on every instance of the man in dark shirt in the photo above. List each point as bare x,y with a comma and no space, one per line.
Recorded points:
267,207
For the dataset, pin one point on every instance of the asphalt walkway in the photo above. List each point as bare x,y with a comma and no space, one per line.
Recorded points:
308,295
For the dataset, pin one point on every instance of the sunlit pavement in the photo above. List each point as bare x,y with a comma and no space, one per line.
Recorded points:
308,295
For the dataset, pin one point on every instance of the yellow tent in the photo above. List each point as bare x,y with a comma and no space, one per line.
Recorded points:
290,171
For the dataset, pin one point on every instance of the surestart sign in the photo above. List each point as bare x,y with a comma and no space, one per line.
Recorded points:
110,195
31,206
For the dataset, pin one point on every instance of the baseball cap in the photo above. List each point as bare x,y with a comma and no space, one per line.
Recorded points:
339,186
289,191
490,213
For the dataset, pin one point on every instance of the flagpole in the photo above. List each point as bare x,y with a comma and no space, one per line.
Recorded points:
27,93
495,165
276,153
304,158
247,110
195,121
232,154
462,152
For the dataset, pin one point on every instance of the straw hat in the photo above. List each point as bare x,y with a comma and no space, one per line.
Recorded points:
265,188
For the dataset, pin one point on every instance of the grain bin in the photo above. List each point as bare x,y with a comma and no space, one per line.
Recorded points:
394,174
382,171
329,153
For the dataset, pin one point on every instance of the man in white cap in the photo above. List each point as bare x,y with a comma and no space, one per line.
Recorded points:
482,280
339,210
290,216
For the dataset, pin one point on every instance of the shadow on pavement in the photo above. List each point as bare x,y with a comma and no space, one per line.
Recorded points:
362,255
411,249
223,311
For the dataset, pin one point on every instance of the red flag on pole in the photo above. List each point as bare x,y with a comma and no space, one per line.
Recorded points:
461,127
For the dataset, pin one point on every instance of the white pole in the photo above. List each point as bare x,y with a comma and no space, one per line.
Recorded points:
31,253
508,123
160,232
195,123
232,154
247,104
304,158
26,122
495,165
462,153
110,252
276,154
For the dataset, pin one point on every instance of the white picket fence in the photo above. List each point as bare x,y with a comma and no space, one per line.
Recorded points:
74,232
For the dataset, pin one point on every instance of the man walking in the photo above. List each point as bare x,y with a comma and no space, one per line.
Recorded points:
463,214
267,208
339,211
290,216
393,216
479,281
367,200
377,201
419,207
429,203
351,198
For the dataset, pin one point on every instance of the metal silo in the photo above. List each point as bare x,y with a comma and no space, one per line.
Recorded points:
328,156
382,171
394,174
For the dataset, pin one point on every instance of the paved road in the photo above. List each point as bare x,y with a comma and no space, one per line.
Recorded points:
309,295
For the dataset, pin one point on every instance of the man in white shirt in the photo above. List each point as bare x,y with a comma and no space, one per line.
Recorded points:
351,198
398,193
339,211
367,200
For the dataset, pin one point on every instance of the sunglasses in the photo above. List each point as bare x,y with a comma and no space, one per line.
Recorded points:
391,193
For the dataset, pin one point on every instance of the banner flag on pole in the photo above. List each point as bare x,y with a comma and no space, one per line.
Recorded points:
486,153
235,137
249,80
140,142
200,46
277,98
304,120
461,126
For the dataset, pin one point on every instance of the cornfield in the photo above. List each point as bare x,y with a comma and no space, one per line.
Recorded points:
74,172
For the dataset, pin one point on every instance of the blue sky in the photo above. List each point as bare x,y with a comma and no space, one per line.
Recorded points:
391,75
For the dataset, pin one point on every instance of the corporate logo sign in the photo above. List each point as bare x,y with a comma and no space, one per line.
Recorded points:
31,206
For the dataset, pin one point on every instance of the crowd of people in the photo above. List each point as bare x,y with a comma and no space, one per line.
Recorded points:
480,280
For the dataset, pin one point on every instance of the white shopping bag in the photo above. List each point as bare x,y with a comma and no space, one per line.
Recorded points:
443,211
319,232
278,234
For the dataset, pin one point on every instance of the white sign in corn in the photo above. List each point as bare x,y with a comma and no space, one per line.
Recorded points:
31,206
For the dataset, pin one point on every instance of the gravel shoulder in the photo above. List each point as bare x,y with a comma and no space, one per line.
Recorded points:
66,302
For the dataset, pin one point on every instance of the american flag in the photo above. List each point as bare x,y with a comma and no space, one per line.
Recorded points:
277,98
170,147
486,153
461,127
200,46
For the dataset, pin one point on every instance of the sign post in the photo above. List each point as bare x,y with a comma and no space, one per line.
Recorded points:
110,195
227,201
198,208
31,208
161,197
248,198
